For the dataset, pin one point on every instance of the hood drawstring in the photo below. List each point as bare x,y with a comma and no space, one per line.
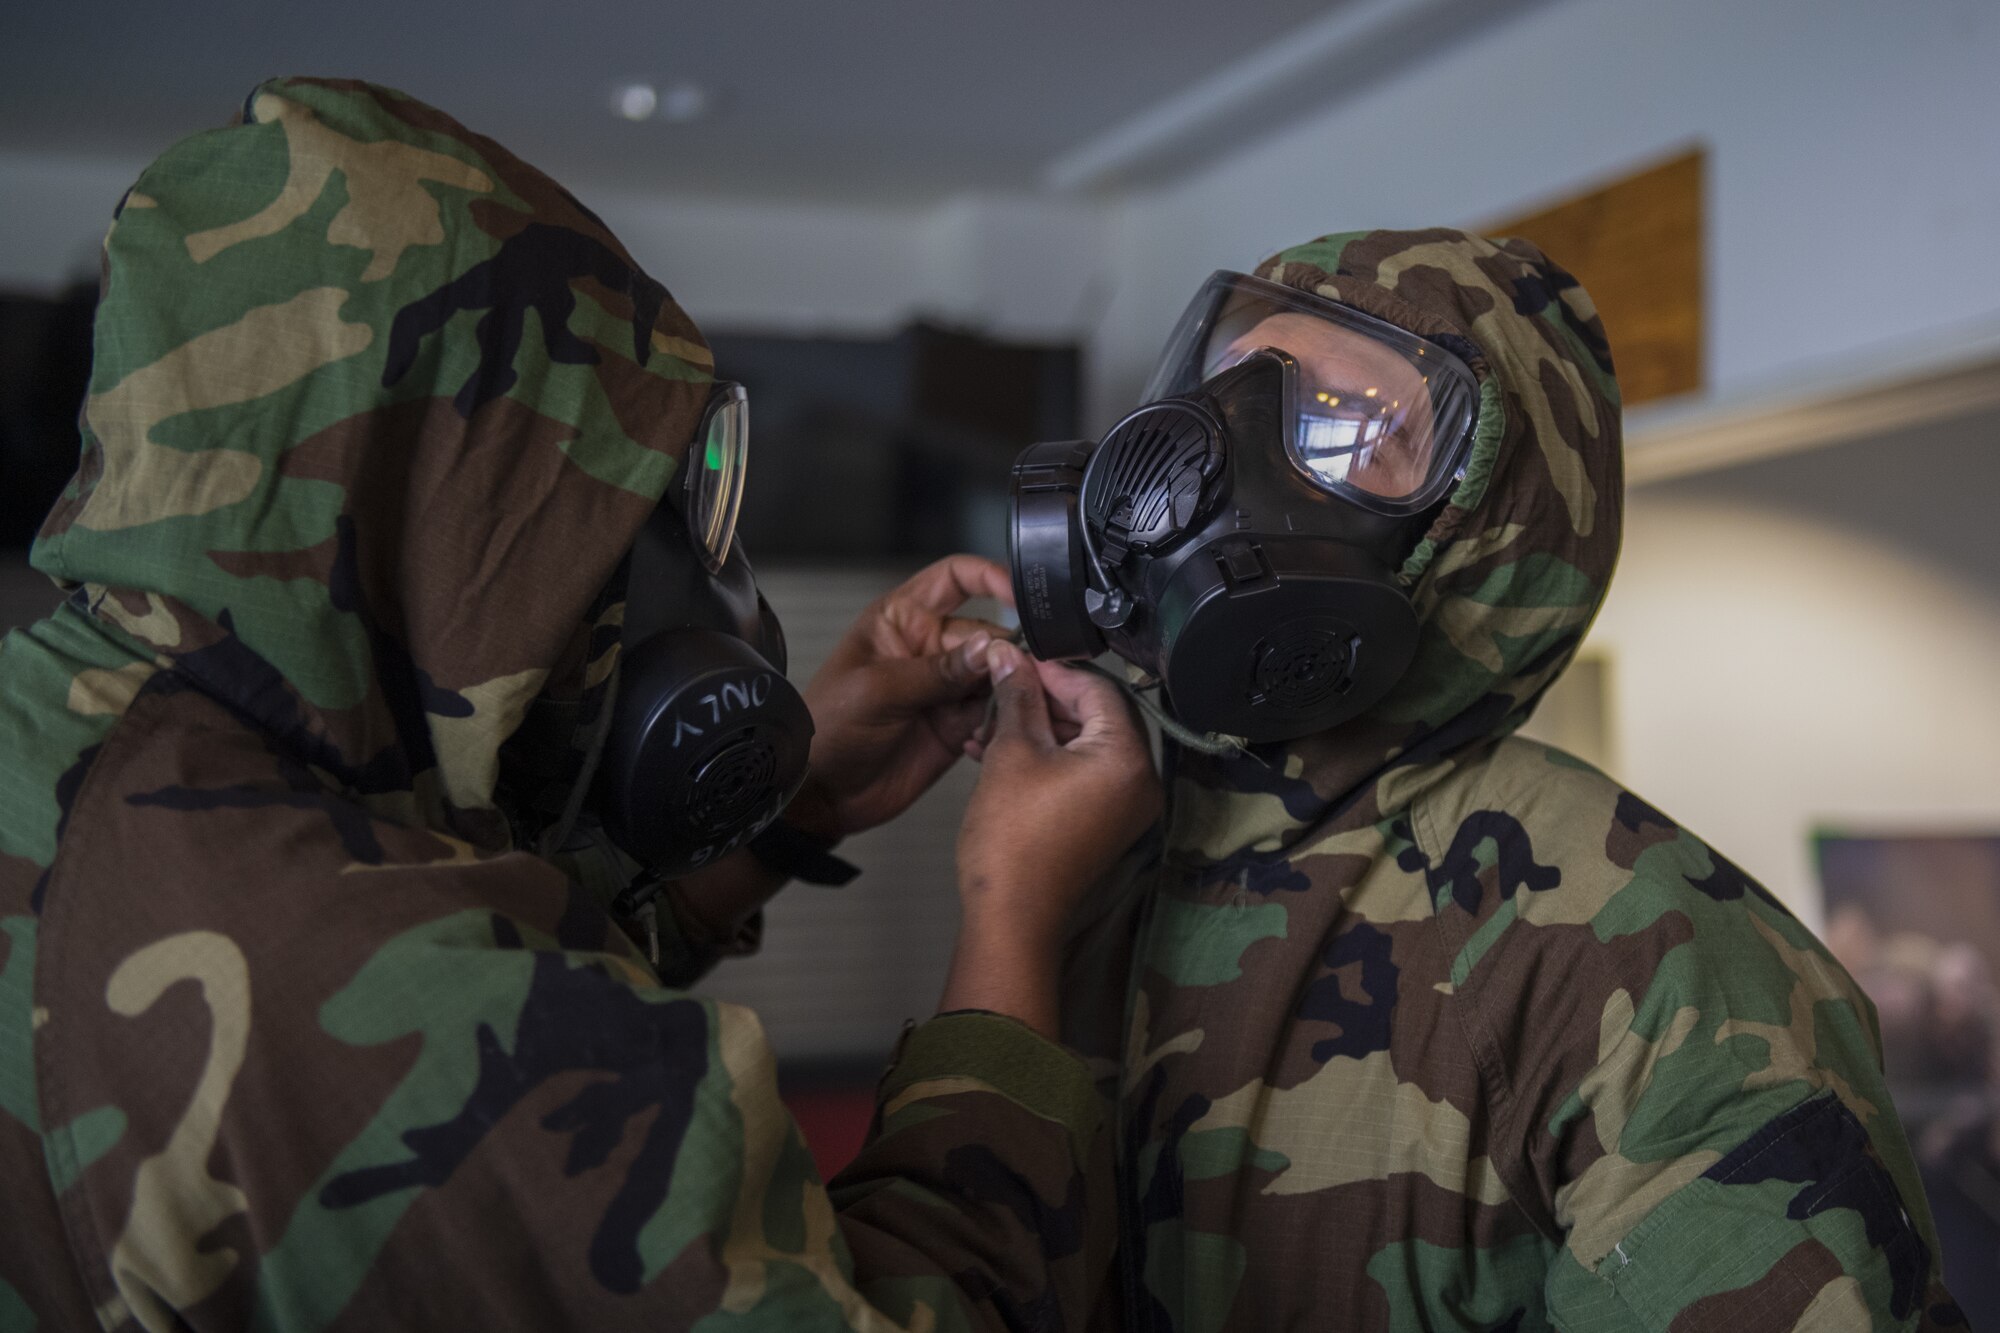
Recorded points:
1142,695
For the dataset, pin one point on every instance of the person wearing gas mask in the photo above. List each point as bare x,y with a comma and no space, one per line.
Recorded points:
1419,1024
413,731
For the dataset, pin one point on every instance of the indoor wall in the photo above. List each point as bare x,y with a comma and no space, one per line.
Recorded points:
1810,642
1851,191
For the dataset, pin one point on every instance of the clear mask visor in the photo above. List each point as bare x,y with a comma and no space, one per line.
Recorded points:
1375,414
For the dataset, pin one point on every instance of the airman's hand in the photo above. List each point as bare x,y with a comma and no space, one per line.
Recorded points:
1068,786
899,697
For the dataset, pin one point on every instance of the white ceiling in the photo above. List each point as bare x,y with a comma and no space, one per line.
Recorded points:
903,101
850,99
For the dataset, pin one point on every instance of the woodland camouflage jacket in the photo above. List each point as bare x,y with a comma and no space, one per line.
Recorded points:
1420,1026
290,1037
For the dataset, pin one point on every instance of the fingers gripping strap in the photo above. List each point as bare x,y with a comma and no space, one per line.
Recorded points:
1206,742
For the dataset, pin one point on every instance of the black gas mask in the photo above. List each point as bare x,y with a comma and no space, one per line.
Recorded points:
707,740
1238,536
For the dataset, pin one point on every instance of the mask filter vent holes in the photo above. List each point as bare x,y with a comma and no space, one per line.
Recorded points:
1303,665
734,787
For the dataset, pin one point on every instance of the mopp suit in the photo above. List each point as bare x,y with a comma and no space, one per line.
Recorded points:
1417,1025
291,1035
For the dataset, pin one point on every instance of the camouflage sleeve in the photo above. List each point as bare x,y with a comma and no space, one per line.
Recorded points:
1717,1148
498,1120
1687,1091
983,1129
1752,1173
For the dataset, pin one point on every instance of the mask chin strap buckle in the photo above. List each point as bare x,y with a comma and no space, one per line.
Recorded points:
1108,609
640,902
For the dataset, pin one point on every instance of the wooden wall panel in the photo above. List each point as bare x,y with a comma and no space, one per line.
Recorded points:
1636,245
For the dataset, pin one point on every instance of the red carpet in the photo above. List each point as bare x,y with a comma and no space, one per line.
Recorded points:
834,1121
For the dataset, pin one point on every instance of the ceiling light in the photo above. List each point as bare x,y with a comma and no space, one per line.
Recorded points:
635,101
677,103
682,102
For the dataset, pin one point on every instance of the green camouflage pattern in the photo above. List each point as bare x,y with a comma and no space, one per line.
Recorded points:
1415,1024
293,1035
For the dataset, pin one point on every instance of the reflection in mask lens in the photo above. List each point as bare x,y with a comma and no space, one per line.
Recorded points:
1334,446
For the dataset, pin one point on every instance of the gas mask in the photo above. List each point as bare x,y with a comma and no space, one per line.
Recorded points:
1238,536
706,741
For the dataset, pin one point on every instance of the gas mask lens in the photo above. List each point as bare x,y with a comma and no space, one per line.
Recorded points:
1364,417
1375,414
715,470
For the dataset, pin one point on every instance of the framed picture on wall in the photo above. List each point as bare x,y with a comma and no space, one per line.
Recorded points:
1916,919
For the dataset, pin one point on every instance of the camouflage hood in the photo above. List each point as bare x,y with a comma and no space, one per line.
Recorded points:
377,410
1507,579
